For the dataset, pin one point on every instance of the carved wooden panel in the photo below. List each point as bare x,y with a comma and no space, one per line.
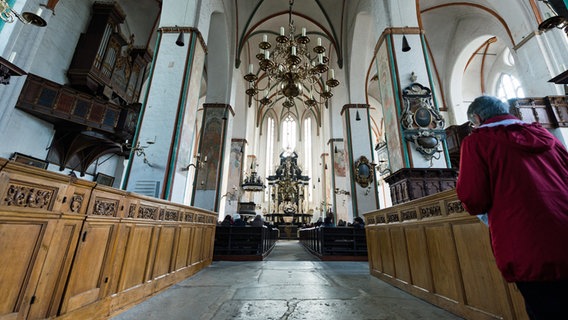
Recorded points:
559,107
147,212
27,195
105,207
533,110
412,183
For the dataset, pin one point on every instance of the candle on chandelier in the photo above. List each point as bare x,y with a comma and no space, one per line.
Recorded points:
303,32
293,50
319,41
266,54
320,58
331,74
326,88
266,93
281,31
251,68
264,38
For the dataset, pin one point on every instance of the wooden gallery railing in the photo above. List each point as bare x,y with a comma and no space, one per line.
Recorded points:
433,249
72,249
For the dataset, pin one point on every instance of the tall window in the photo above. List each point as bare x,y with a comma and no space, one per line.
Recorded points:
269,152
289,134
308,152
509,87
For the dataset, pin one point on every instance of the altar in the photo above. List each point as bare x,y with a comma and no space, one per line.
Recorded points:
287,193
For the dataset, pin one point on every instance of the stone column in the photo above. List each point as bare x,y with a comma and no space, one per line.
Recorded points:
160,158
213,145
233,191
360,163
400,69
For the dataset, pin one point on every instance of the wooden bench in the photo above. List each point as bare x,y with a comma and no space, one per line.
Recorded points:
336,243
243,243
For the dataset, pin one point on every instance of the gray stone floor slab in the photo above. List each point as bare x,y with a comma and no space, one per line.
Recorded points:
282,288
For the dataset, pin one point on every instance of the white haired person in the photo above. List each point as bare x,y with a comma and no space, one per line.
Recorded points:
517,173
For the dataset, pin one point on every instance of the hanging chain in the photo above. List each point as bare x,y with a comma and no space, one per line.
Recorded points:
290,13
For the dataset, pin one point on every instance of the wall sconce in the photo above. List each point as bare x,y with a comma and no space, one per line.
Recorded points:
341,191
231,195
7,14
199,163
383,167
138,150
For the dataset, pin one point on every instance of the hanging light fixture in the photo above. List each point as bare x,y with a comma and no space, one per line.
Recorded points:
7,14
292,70
179,40
405,45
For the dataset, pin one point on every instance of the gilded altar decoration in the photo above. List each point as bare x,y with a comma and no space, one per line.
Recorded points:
287,191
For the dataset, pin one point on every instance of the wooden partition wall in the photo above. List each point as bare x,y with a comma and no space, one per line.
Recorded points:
72,249
433,249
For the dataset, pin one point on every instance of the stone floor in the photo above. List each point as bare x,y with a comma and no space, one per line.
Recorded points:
289,284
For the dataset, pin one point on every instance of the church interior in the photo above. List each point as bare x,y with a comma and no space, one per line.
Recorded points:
147,122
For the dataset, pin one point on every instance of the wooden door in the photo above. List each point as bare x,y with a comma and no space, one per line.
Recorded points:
91,267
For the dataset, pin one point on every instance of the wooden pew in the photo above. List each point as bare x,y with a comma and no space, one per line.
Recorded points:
243,243
335,243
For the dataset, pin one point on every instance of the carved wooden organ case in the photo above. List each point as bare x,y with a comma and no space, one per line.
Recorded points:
97,112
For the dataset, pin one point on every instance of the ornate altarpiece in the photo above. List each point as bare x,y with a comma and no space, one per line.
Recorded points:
287,191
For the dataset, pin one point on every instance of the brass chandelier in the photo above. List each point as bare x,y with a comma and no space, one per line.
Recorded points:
291,69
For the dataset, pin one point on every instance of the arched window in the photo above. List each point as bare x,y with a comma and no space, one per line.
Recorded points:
289,134
509,87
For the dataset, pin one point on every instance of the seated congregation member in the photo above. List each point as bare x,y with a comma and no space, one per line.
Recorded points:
517,173
238,222
257,221
228,221
358,223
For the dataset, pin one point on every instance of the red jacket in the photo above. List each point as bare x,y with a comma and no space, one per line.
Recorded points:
518,174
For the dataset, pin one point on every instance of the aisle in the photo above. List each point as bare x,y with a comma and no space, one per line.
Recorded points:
290,250
280,288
